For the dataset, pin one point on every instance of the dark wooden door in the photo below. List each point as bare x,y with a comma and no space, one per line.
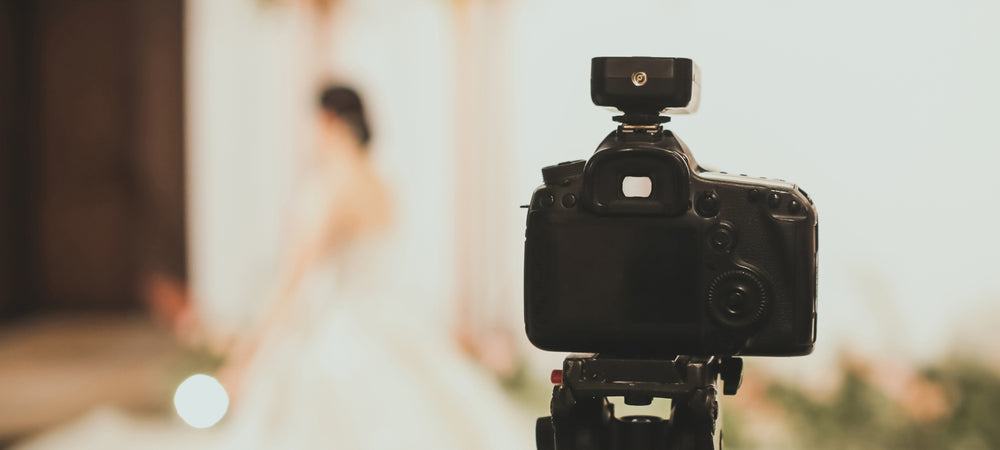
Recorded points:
92,199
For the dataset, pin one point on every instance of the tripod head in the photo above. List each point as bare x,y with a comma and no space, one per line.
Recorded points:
583,419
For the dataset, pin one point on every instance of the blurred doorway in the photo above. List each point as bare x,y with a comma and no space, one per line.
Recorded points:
92,166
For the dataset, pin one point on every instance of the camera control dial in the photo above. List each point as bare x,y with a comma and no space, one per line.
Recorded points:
737,299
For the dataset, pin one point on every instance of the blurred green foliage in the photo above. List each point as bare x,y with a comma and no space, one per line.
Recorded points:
862,415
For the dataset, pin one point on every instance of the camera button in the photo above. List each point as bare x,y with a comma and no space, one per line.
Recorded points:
707,204
569,200
722,238
774,200
546,200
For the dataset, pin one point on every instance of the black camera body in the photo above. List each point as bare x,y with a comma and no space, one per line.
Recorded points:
639,251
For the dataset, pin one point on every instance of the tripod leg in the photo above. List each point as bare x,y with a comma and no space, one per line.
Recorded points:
545,438
575,424
696,421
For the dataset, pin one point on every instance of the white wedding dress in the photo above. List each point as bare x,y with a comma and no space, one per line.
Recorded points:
367,369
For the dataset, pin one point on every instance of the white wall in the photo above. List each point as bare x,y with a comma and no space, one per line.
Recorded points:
241,116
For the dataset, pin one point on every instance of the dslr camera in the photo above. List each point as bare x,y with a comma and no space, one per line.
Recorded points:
641,252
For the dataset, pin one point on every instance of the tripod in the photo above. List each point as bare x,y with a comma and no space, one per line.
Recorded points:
583,419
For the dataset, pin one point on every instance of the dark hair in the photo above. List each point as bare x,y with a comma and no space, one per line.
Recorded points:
345,103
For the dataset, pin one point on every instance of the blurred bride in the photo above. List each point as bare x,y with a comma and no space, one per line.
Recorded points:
337,360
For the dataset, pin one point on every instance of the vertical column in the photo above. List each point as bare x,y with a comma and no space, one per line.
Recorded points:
485,259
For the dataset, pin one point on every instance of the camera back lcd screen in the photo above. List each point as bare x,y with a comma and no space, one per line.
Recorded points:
595,277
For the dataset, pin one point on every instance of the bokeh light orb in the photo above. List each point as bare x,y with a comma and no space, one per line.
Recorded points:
201,401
